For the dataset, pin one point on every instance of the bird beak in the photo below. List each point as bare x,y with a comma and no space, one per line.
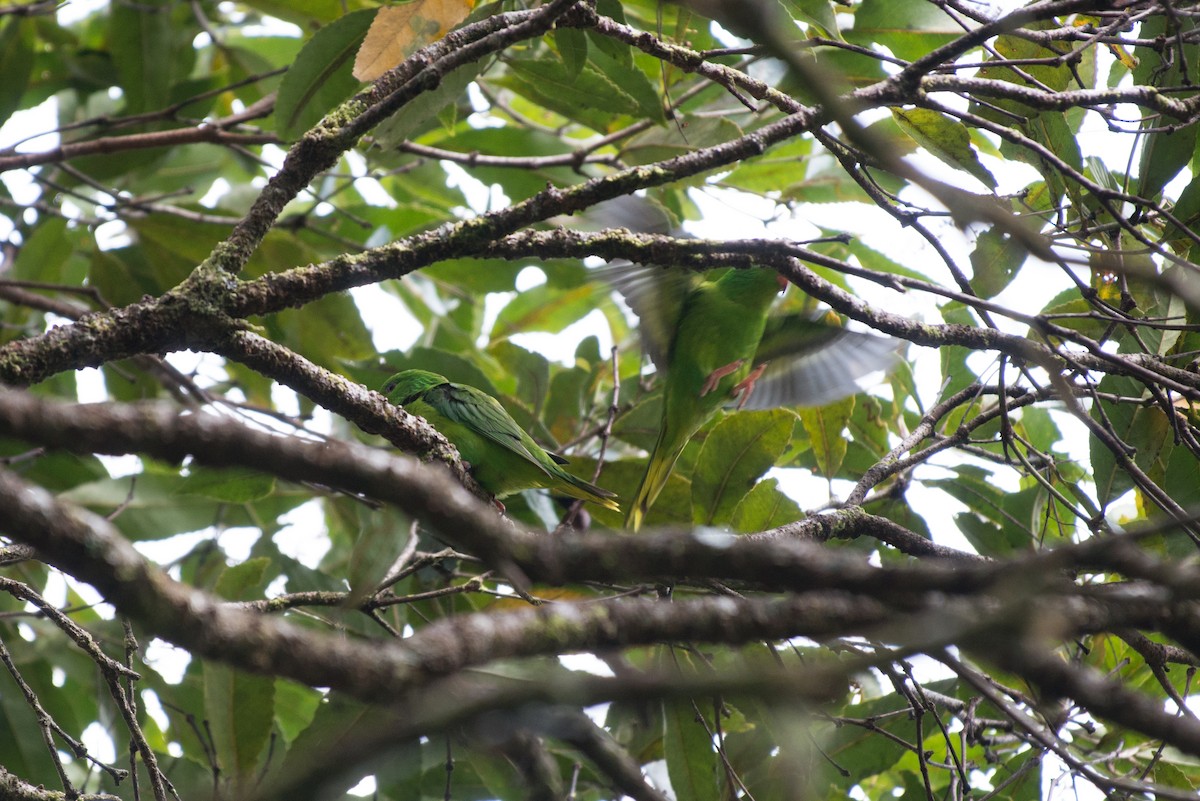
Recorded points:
783,282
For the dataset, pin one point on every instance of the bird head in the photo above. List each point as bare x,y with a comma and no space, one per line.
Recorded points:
408,384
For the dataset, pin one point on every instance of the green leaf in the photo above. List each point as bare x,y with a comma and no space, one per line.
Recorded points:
337,718
572,46
43,255
603,85
690,133
327,331
243,582
381,536
239,711
815,12
909,28
1144,428
995,262
307,12
824,425
17,37
764,507
945,138
234,485
691,760
151,507
295,707
415,116
1187,211
738,450
142,47
1164,155
320,78
529,373
1165,152
543,308
999,522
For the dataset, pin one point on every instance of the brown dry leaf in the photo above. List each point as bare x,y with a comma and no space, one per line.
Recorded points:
398,31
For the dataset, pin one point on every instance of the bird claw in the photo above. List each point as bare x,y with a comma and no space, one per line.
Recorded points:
745,387
715,376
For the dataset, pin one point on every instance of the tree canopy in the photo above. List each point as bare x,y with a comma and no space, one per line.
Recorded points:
230,568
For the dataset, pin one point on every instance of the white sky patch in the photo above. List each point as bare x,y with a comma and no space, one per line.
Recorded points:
391,324
171,549
112,235
364,788
154,708
529,278
303,536
561,347
586,663
99,743
74,11
480,196
212,198
170,662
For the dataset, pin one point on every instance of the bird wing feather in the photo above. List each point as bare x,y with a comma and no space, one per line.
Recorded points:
484,415
810,363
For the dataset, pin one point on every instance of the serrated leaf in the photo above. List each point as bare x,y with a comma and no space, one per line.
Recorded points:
572,46
589,89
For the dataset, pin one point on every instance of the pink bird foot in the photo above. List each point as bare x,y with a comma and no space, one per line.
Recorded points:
715,376
745,387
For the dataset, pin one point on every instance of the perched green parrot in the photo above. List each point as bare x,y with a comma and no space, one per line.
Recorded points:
503,458
716,342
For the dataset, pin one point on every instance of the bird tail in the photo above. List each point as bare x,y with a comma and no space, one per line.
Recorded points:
587,491
658,470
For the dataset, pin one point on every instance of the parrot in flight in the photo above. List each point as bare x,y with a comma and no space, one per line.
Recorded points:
715,340
503,458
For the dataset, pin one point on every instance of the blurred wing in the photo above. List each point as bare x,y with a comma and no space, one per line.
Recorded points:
484,415
638,214
656,295
811,364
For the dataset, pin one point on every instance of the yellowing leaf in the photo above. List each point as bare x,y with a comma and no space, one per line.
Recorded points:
398,31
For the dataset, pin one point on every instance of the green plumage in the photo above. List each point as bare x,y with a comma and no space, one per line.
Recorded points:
720,322
708,335
504,459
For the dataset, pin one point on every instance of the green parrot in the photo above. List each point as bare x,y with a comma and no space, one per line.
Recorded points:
715,340
503,458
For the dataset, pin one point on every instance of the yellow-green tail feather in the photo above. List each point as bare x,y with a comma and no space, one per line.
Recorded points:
658,470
